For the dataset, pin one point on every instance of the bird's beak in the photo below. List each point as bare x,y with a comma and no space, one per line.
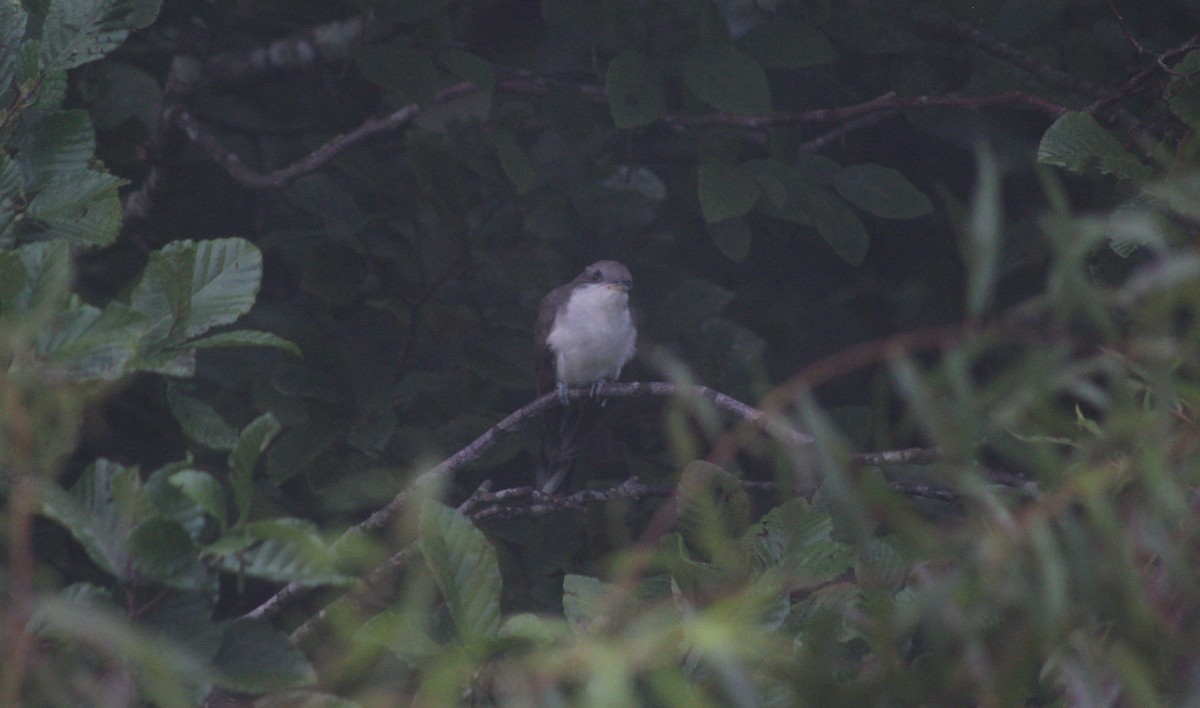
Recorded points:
620,287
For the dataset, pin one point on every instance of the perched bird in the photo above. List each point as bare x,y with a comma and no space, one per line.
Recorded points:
584,336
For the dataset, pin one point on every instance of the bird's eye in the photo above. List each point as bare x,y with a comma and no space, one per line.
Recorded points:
595,276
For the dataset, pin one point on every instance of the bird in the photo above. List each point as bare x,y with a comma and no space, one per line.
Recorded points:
584,336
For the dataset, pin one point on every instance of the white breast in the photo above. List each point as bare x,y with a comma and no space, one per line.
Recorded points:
593,336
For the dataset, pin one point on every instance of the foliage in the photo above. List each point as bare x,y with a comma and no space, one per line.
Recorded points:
253,280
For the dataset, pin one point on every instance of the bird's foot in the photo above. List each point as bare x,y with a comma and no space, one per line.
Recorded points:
562,394
597,387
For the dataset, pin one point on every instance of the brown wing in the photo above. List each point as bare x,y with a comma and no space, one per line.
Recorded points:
543,358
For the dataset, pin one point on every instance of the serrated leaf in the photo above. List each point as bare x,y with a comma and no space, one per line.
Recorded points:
59,144
799,541
250,445
634,87
161,549
79,31
12,196
881,191
837,223
725,191
727,79
281,550
515,162
48,277
200,421
188,288
465,567
244,338
1079,143
98,512
203,490
254,657
90,344
80,207
784,42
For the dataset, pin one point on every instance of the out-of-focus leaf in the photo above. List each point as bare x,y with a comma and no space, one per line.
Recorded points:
981,248
200,421
115,92
91,344
254,657
189,288
635,90
468,67
713,508
1183,96
724,77
406,634
243,458
467,572
244,338
61,144
1080,144
731,237
725,191
690,303
1181,193
402,69
161,549
837,223
297,448
203,490
783,186
515,162
785,42
881,191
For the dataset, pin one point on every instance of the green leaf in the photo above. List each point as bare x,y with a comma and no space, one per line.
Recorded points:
723,77
784,195
712,507
200,421
297,448
881,191
12,196
254,657
48,275
253,439
408,73
583,598
161,549
981,248
13,18
79,31
725,191
468,67
731,237
98,512
405,634
515,162
189,288
690,303
467,572
784,42
281,550
203,490
91,344
59,144
635,90
1080,144
799,541
81,207
244,338
837,223
1183,96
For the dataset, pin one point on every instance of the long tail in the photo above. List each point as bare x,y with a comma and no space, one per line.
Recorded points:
565,433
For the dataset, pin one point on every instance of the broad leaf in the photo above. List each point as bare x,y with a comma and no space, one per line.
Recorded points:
1080,144
725,191
162,550
253,439
48,276
91,344
713,509
582,601
281,550
98,511
79,31
60,144
837,223
203,490
80,207
727,79
189,288
515,162
13,18
881,191
254,657
466,569
635,90
200,421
